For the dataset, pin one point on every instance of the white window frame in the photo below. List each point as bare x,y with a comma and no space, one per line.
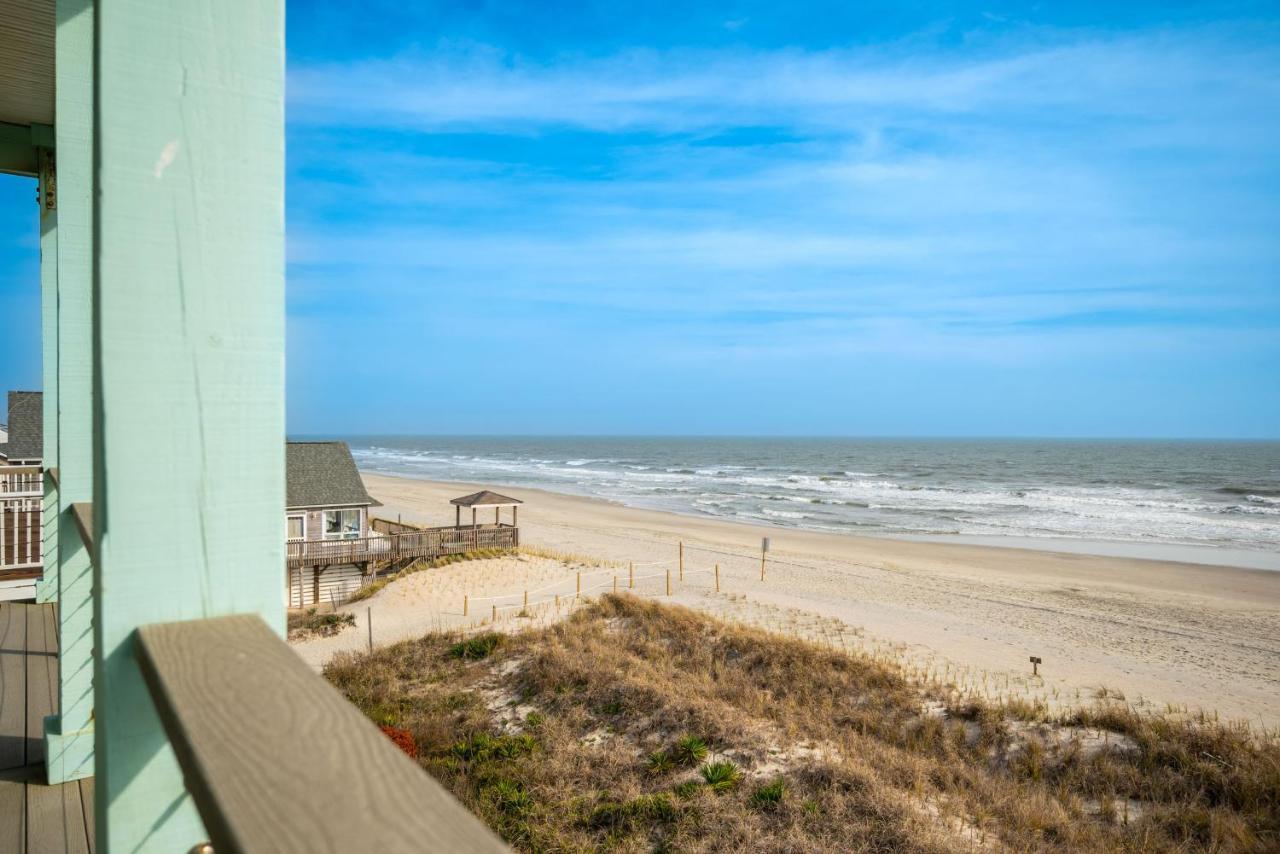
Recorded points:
324,521
288,518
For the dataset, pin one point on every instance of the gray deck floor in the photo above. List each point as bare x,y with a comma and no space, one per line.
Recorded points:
34,817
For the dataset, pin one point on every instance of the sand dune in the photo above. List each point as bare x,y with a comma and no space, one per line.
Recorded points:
1160,633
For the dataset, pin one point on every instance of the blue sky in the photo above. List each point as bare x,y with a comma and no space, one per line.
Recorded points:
765,218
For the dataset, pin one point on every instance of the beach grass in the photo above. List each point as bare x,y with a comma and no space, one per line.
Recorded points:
637,726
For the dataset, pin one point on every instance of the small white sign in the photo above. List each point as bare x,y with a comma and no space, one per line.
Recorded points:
764,544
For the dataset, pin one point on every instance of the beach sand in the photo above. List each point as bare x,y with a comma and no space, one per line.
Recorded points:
1161,634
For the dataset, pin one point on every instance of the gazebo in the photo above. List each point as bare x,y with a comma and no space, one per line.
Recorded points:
485,498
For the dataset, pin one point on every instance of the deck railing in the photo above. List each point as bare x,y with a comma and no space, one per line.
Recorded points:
412,544
246,740
21,503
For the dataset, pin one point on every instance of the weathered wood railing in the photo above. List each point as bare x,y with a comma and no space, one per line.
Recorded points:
21,503
380,548
276,759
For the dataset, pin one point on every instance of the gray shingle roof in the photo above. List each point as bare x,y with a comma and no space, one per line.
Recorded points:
322,474
26,426
484,498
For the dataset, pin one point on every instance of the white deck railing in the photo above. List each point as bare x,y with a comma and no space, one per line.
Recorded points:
21,503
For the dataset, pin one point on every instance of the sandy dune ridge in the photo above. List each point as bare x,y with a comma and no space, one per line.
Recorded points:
1162,634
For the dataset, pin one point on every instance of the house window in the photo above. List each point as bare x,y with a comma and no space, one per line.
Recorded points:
297,528
341,524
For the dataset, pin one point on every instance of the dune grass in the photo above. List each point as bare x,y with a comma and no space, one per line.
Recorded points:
635,726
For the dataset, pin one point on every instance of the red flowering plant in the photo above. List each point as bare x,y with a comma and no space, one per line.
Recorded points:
403,740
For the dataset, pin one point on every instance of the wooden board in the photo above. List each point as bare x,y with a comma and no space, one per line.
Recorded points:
277,760
13,686
55,819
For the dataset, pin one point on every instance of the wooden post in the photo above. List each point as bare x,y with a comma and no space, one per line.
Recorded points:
47,587
188,346
457,516
465,603
69,735
526,600
578,591
368,618
717,578
668,582
497,516
615,584
495,614
631,575
681,561
514,522
762,564
557,603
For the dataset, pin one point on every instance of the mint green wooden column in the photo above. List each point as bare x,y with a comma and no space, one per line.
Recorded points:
189,364
69,734
46,197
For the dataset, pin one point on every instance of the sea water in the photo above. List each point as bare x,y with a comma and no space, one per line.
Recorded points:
1220,500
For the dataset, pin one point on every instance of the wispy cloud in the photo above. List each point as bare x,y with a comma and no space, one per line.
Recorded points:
1023,203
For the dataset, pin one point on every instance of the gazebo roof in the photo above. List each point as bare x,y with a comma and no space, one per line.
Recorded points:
485,498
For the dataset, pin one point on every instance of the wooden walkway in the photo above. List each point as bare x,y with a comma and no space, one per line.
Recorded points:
34,817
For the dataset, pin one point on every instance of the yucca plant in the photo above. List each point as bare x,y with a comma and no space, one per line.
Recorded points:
721,776
660,762
690,750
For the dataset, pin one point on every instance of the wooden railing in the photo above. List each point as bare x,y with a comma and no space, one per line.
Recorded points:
412,544
276,759
21,504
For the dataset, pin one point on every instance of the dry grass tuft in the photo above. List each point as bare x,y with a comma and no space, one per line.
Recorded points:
636,726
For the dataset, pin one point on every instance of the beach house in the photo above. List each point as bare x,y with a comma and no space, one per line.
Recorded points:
148,700
21,496
23,446
327,513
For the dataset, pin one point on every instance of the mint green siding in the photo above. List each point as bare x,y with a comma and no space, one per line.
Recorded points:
189,364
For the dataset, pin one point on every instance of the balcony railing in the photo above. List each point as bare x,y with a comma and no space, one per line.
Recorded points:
409,545
21,503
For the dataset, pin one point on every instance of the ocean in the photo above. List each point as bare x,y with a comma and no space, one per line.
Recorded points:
1222,496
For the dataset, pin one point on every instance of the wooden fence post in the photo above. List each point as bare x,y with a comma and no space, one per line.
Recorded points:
526,600
495,614
682,558
615,584
668,582
717,578
631,576
578,592
464,604
368,618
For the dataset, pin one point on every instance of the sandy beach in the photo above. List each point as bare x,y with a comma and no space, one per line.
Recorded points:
1161,634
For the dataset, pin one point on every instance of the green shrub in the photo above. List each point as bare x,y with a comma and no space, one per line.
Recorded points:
477,647
720,776
660,762
686,790
482,746
690,750
770,795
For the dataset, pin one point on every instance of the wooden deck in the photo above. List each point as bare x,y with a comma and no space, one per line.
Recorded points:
34,817
407,545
